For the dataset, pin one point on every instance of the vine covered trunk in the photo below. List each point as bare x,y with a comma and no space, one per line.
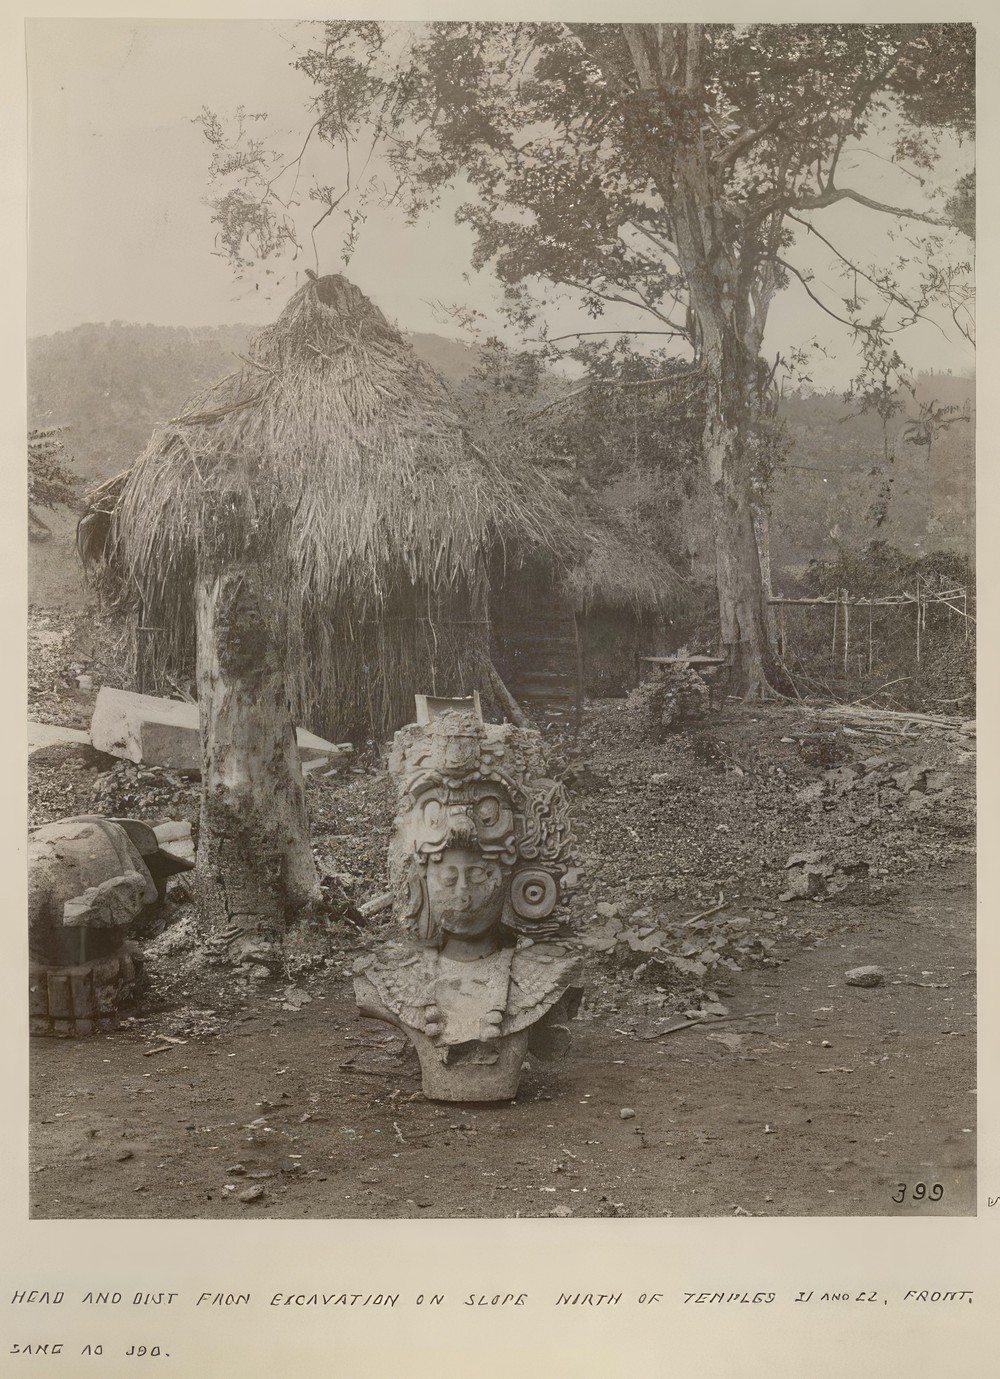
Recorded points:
255,868
730,290
740,575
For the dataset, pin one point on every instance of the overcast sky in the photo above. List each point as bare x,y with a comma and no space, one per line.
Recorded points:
119,228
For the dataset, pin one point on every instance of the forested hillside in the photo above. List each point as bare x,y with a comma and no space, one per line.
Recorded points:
848,482
846,479
110,385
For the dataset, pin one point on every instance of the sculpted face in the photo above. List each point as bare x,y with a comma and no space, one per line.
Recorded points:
465,892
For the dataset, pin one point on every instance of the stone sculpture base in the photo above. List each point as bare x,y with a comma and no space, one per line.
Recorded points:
70,1002
474,1071
461,1077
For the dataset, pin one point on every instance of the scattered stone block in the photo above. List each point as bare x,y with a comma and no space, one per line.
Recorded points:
166,732
53,735
174,839
935,780
864,976
799,859
808,875
841,779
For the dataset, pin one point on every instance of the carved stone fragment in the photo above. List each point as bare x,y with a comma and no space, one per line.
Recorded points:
88,879
478,862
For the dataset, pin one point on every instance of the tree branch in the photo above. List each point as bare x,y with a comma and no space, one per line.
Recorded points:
614,383
853,325
573,334
870,153
885,288
582,35
663,245
831,195
641,305
295,162
635,37
745,141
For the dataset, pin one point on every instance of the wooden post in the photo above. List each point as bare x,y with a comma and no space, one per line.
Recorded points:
847,628
918,619
869,639
579,674
833,643
504,697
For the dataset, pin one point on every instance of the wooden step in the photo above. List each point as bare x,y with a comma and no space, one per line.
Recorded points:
567,644
539,690
554,677
533,679
541,653
535,697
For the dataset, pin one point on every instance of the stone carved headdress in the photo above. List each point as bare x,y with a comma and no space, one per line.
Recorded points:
465,783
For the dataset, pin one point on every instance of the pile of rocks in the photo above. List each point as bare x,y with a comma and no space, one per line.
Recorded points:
677,698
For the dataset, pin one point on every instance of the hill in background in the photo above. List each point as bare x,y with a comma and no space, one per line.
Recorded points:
111,385
845,482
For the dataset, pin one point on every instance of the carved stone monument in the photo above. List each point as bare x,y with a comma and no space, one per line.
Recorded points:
89,878
478,861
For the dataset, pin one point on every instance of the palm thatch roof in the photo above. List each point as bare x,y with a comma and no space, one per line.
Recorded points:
339,465
619,569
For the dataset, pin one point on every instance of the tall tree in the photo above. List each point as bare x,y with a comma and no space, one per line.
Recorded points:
663,167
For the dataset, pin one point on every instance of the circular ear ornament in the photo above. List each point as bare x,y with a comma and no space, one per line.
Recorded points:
533,893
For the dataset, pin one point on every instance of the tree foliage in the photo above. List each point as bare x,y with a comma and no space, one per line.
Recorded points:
51,483
668,170
566,132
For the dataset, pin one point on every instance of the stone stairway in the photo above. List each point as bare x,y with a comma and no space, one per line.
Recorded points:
544,673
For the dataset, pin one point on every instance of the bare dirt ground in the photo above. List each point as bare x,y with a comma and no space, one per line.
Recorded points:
819,1099
732,873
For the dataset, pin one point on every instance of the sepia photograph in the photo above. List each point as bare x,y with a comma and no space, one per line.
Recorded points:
501,620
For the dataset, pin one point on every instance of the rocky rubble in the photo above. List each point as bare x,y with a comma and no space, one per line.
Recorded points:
674,698
722,819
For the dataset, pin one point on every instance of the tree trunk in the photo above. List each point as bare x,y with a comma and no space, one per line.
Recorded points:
762,527
507,702
729,300
740,581
255,867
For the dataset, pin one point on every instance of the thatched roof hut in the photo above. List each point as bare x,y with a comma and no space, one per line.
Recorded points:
339,464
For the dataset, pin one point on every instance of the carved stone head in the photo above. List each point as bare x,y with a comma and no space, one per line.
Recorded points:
482,835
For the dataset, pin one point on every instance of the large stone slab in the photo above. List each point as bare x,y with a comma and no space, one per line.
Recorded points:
53,735
165,732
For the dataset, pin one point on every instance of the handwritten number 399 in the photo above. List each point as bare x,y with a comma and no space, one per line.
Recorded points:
919,1192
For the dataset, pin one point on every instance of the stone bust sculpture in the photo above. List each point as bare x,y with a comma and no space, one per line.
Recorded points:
477,859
